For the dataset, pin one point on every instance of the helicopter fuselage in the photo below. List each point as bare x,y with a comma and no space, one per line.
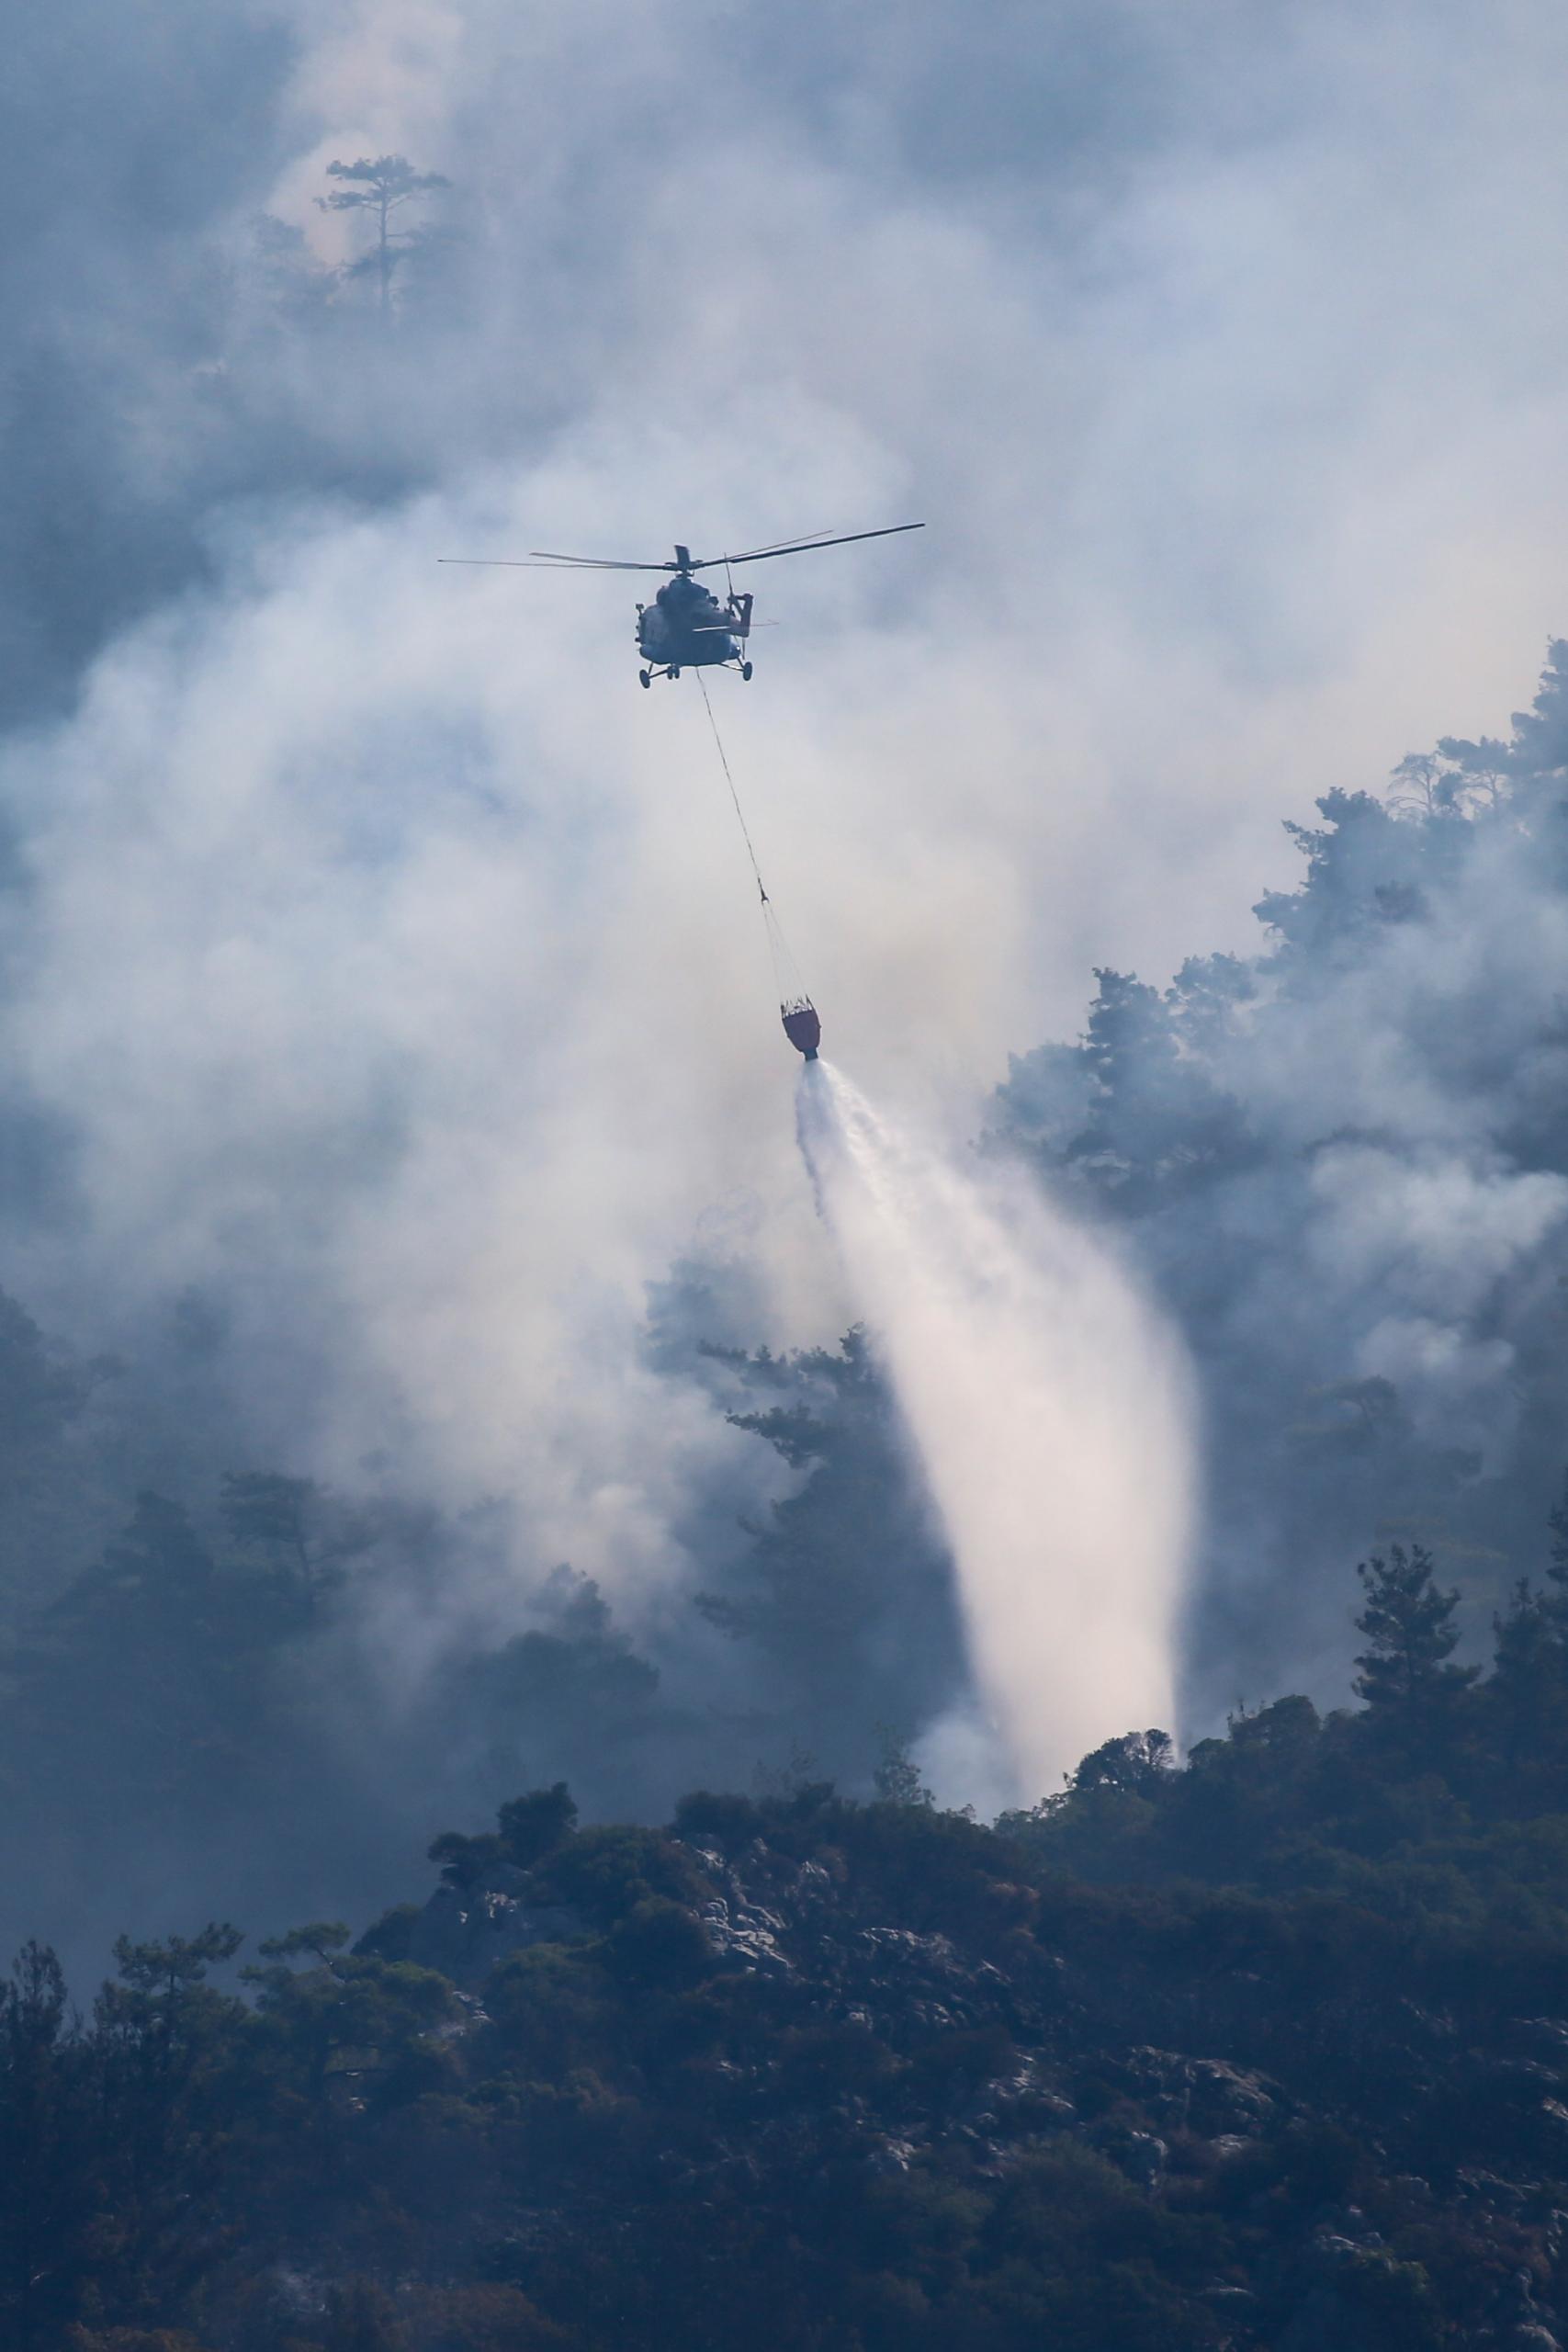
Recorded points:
686,626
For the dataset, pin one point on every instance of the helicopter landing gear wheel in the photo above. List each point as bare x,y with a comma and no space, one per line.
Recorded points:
673,672
746,670
644,679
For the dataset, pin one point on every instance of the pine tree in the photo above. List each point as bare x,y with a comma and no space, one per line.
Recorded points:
379,185
896,1779
48,2138
1556,1520
1528,1689
1408,1625
1526,1697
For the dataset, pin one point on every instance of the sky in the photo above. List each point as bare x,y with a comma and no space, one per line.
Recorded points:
379,961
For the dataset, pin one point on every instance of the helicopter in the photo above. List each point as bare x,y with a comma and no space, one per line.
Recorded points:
686,626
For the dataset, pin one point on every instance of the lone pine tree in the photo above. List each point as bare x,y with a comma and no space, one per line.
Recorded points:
1408,1623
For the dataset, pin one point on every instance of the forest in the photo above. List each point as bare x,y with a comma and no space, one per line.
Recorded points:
1267,2048
725,2026
485,1857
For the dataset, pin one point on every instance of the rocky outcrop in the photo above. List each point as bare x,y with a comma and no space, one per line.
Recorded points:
972,2051
464,1932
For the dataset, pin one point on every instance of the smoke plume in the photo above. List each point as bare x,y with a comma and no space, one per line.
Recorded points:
1342,1163
380,1015
1048,1408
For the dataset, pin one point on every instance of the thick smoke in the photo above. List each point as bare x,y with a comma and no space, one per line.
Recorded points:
375,1024
1345,1159
1049,1412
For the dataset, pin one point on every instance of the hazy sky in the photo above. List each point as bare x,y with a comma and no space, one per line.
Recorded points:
378,957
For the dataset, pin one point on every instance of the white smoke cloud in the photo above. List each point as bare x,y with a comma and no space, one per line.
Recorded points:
390,954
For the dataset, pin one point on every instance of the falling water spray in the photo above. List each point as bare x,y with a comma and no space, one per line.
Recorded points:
1049,1405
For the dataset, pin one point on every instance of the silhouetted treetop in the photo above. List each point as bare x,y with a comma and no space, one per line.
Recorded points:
380,187
1409,1627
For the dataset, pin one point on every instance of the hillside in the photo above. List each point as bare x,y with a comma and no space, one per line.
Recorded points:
1269,2049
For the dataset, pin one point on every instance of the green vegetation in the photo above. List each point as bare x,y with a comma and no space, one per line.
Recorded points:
1268,2049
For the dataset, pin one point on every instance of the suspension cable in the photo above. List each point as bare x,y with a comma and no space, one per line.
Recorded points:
734,796
786,972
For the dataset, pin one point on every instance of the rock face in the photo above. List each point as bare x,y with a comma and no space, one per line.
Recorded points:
744,1936
464,1932
1337,2167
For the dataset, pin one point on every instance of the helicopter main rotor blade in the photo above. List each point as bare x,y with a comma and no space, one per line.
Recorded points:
805,547
549,563
521,563
597,562
774,546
